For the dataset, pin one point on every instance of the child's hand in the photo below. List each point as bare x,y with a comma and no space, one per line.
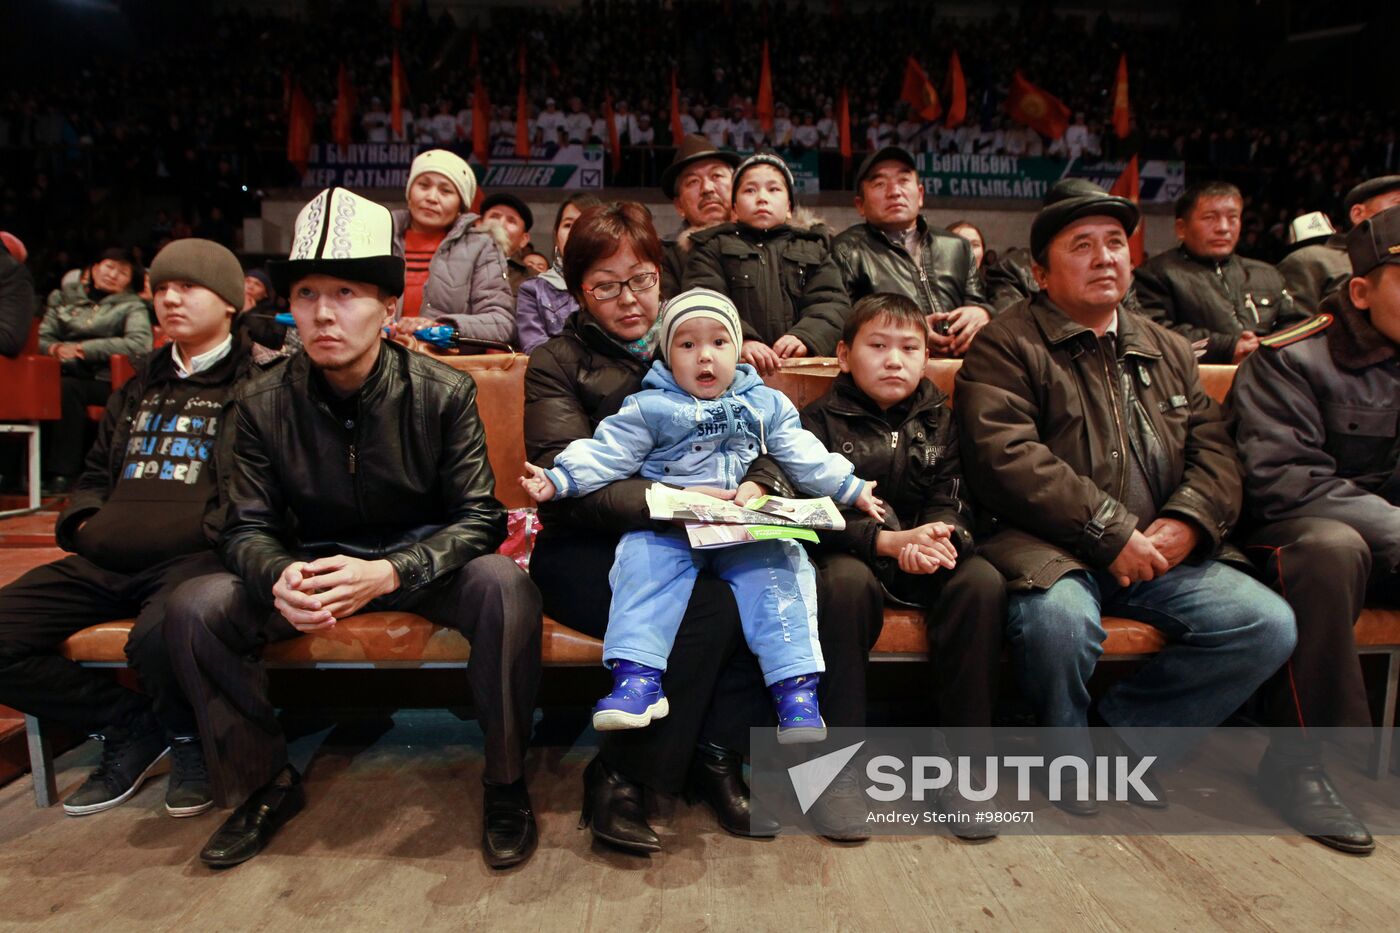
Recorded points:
712,491
537,484
869,504
747,492
760,356
916,559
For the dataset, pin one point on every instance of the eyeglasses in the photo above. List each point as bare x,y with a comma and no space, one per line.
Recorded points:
607,291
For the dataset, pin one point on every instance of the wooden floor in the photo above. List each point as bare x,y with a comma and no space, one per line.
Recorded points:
390,841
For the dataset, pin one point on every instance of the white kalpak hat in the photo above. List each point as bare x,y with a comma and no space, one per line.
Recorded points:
699,302
1306,227
342,234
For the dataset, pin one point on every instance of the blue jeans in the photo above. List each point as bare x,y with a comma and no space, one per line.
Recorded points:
652,577
1226,634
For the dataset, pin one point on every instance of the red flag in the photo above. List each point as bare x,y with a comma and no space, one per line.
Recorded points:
765,93
396,14
398,89
1120,99
1041,111
300,120
614,144
676,130
922,98
843,118
481,123
474,58
520,58
957,92
286,90
1127,187
522,123
344,108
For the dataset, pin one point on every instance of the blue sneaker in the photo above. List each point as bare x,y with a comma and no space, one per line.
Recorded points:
636,698
799,718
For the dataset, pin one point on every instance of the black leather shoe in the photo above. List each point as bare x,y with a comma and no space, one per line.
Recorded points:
717,778
612,805
508,834
248,829
840,812
1069,800
1304,796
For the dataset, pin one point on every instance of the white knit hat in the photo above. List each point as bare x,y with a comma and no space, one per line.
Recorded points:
341,234
449,165
699,302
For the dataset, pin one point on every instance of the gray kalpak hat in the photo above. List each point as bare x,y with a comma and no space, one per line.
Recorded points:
1369,189
698,302
200,262
1055,217
342,234
1375,242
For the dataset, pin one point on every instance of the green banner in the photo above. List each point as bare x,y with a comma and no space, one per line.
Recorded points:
966,175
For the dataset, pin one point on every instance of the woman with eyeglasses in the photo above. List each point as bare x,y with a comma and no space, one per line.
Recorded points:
612,267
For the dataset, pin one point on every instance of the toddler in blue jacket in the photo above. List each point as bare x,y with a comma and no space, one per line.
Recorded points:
700,421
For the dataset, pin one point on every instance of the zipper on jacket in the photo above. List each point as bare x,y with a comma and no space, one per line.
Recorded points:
928,290
1123,452
353,458
894,440
1229,295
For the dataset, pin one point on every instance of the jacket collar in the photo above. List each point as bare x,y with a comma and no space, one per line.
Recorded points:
920,224
848,399
388,363
1353,341
1202,260
590,333
459,227
1058,327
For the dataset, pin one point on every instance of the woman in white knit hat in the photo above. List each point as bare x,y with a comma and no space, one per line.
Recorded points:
454,273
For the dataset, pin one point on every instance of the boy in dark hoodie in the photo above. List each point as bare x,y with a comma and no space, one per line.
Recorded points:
779,274
896,428
142,519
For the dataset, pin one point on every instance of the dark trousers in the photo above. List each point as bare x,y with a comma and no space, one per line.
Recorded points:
49,603
216,628
1323,568
966,613
65,440
713,682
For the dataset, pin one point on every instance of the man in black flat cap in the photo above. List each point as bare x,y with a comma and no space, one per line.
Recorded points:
698,182
512,219
896,250
1087,435
1315,271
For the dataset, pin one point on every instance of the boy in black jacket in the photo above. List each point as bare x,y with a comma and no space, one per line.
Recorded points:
143,518
895,426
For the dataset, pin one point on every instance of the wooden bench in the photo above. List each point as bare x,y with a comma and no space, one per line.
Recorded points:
388,640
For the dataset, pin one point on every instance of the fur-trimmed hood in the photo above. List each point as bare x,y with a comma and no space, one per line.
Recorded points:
804,221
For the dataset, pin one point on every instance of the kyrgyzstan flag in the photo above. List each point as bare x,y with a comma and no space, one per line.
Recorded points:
677,131
1029,105
764,105
344,108
1127,187
300,120
843,117
919,93
398,90
481,123
1121,112
614,143
957,92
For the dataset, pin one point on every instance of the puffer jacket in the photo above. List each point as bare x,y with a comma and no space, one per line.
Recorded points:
945,277
1048,421
115,324
574,381
542,307
467,285
1215,302
665,434
1317,421
406,480
913,458
783,281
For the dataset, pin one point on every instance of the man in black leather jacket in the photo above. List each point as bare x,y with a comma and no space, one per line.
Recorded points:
896,250
360,482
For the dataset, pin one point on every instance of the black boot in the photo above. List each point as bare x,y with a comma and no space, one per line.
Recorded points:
508,833
1299,789
248,829
613,806
717,778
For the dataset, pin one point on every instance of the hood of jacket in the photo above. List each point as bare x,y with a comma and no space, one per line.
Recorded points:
661,377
